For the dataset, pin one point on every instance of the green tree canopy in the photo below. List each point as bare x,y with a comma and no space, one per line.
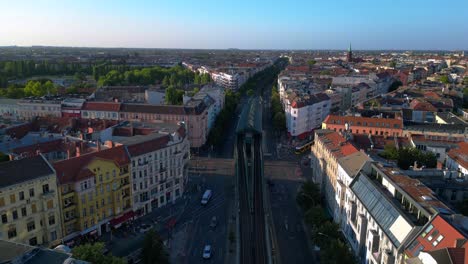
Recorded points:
444,79
153,251
94,253
308,195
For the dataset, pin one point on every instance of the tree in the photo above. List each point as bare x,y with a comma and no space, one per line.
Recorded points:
336,252
279,121
311,63
444,79
315,216
308,196
197,79
153,251
165,81
4,157
250,92
390,152
205,78
94,253
395,85
393,64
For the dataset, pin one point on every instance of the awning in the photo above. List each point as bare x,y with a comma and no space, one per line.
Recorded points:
116,222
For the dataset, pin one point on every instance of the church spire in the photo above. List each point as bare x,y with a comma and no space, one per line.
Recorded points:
350,47
349,56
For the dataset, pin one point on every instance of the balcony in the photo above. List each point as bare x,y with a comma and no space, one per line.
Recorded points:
68,194
69,220
47,195
69,205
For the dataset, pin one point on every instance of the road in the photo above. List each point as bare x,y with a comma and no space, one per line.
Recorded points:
199,217
291,237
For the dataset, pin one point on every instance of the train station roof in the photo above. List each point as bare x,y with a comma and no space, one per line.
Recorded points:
251,117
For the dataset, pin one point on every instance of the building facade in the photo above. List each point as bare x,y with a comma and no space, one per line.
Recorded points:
29,205
159,167
364,125
95,192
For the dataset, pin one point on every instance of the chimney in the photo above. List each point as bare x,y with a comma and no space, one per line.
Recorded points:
78,151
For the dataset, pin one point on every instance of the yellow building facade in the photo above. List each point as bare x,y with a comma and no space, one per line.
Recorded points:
94,190
29,208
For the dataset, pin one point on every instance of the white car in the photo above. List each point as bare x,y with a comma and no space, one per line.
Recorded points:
144,228
207,252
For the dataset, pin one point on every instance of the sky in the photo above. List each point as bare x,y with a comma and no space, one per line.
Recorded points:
243,24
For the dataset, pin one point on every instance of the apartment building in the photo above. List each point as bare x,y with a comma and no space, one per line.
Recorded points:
9,108
457,159
305,112
442,233
30,108
385,209
100,110
194,114
159,165
29,205
328,147
94,192
364,125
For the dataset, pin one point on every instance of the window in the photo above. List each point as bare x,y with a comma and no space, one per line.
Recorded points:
31,192
15,215
428,229
23,211
50,204
45,188
84,212
53,235
33,208
31,226
52,220
437,241
4,219
12,232
2,202
434,234
21,196
12,198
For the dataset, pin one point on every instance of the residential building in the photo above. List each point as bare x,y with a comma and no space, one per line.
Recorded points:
71,107
9,108
441,232
328,147
94,191
100,110
457,159
159,164
29,205
305,113
364,125
30,108
348,167
385,209
194,114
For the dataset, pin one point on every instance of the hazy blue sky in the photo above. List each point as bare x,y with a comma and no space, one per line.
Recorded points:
257,24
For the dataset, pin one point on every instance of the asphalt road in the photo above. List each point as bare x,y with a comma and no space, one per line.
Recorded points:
199,216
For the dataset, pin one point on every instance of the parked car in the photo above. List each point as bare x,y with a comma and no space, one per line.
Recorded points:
207,252
213,222
144,228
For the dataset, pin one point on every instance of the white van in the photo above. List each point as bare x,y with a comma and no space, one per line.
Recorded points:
206,197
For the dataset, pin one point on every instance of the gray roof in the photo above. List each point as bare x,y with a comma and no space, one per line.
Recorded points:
251,117
383,210
433,127
17,171
353,163
12,252
450,118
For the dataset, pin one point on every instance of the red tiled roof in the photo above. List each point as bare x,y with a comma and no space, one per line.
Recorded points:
148,146
337,144
422,106
74,169
359,121
101,106
460,154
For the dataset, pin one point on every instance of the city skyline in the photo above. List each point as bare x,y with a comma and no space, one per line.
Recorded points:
243,25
